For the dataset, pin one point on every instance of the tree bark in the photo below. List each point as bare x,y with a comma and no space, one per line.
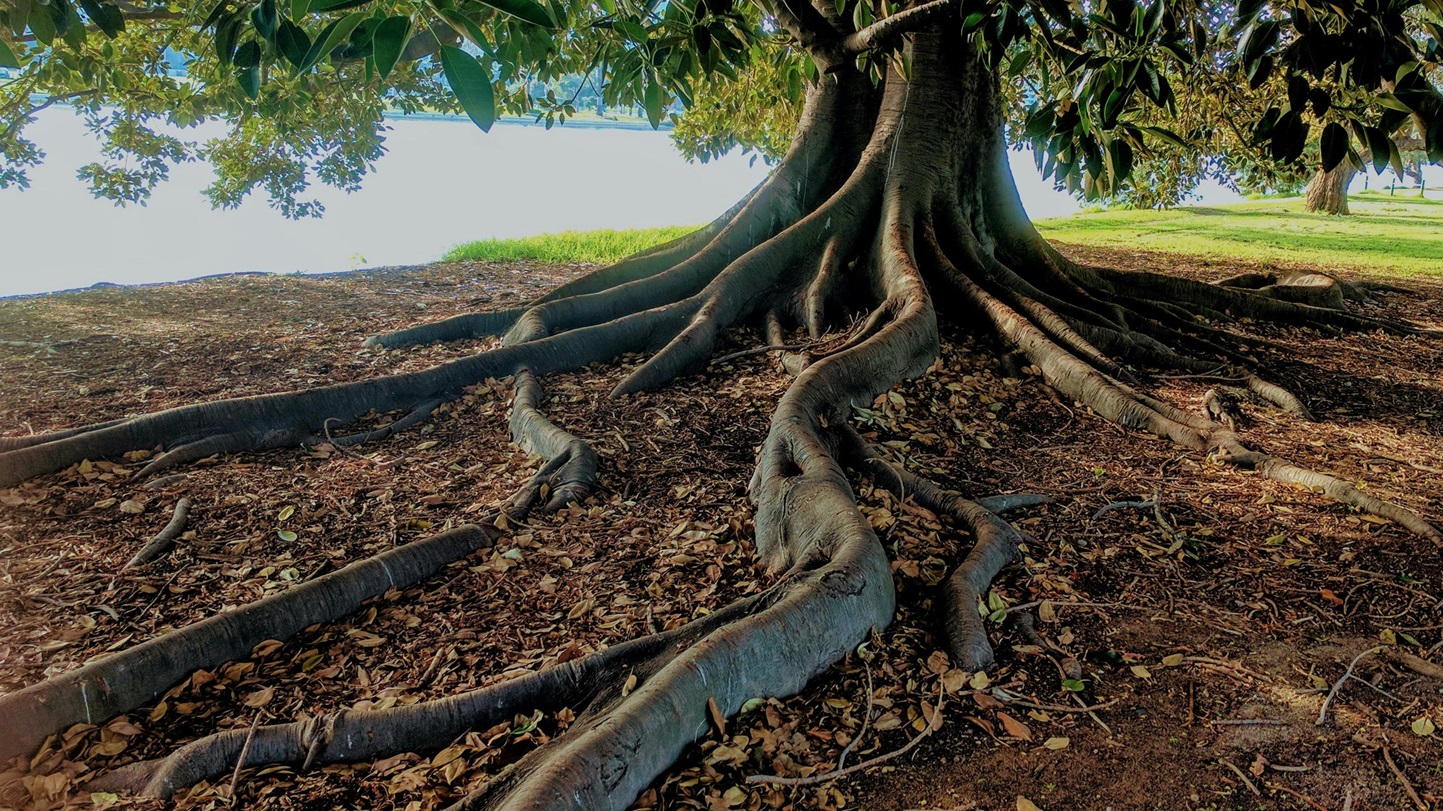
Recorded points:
1328,191
895,208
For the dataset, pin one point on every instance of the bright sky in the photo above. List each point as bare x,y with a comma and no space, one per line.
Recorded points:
443,182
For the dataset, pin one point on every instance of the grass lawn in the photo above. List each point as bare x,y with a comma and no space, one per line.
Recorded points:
1402,234
568,246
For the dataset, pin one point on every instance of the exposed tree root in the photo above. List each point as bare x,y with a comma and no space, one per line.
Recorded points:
130,678
996,545
161,544
891,200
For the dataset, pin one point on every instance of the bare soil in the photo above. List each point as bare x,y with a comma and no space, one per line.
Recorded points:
1214,622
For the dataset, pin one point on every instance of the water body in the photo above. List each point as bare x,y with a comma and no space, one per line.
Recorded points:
442,182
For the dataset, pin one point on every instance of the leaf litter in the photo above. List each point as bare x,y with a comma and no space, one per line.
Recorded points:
1236,600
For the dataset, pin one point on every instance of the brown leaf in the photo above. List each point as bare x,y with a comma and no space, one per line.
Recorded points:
717,717
260,698
1014,727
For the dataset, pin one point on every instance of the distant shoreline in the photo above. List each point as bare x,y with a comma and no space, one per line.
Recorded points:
528,121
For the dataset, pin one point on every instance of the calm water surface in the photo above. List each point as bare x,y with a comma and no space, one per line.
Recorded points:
442,182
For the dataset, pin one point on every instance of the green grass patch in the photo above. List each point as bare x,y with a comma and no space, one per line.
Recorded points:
568,246
1401,234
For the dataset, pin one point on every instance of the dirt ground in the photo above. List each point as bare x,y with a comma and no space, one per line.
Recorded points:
1206,628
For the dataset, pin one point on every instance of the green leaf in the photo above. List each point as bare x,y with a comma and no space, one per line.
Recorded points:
330,39
1391,102
1167,135
1074,685
1378,145
464,26
336,5
523,10
249,80
226,35
1019,63
248,55
286,535
472,85
1119,160
7,56
1435,139
389,41
1333,146
293,43
652,100
266,19
105,16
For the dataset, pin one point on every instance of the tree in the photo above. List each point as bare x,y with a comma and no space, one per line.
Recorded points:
892,210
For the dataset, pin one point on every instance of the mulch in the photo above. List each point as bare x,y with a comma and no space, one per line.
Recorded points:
1215,620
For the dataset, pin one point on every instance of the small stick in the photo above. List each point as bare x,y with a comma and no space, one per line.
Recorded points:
162,542
1417,664
1338,685
1305,798
1060,708
932,726
1035,603
1120,505
1403,778
1249,722
1091,714
245,750
758,350
866,720
1243,777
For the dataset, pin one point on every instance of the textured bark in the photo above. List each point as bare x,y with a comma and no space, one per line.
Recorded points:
1328,191
894,208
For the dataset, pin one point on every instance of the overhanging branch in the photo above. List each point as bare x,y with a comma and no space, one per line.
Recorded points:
882,31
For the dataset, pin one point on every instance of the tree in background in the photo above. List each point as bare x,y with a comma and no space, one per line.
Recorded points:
892,211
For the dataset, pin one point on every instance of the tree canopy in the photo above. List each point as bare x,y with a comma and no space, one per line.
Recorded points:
1173,91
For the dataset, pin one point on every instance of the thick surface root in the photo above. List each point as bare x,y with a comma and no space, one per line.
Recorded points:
128,679
867,218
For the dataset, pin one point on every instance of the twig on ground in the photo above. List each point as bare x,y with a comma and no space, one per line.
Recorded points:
1123,505
1091,714
1417,664
1299,795
1249,722
758,350
1061,708
240,761
1035,603
932,725
1241,776
1338,685
866,720
1403,778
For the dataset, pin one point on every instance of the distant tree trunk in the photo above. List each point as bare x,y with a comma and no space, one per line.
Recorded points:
1328,191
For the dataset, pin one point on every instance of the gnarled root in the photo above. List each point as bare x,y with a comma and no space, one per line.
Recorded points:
996,545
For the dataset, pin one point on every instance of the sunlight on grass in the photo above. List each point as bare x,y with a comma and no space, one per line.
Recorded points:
1402,234
567,246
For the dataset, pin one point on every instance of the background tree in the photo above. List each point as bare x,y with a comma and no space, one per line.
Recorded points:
892,210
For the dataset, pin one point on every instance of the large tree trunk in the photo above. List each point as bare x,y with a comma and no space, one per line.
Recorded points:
1328,191
894,207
